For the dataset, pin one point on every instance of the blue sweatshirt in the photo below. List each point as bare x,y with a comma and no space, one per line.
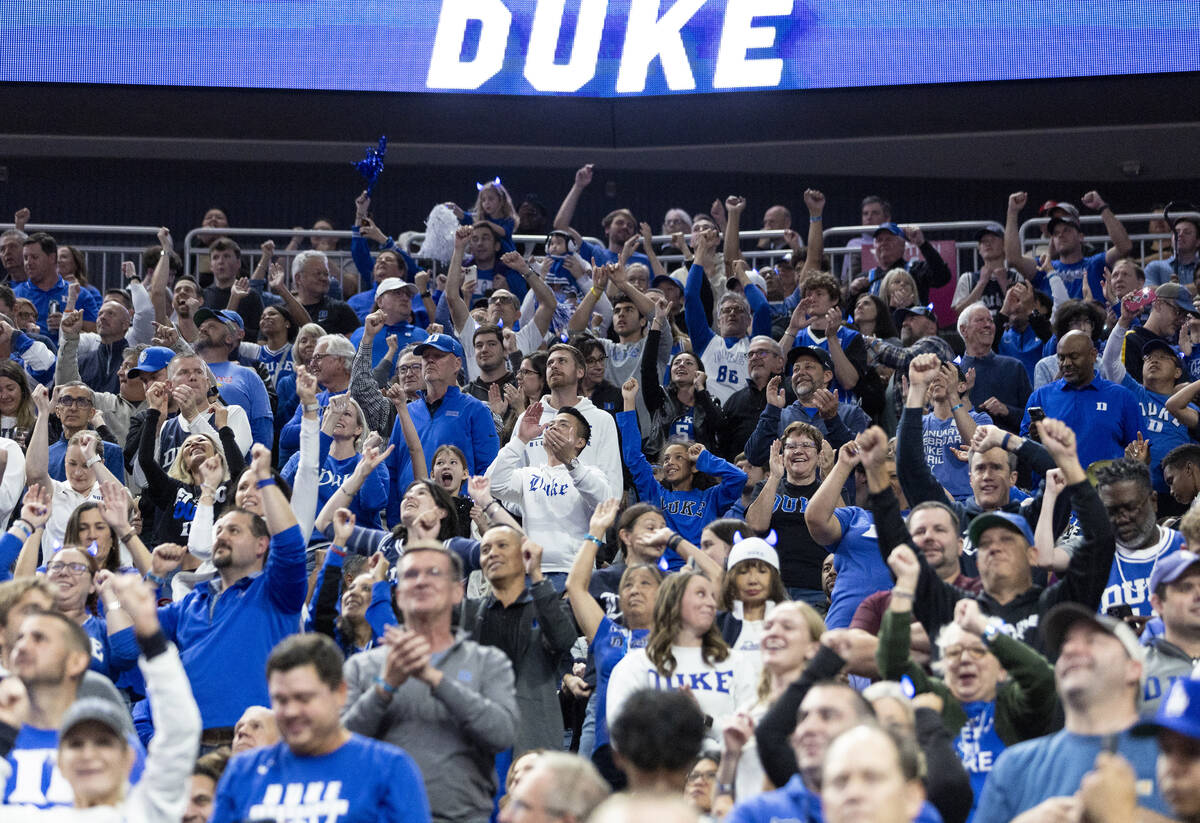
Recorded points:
224,638
458,419
371,499
687,512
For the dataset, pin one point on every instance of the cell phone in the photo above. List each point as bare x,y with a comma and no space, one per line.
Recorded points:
1120,611
1036,415
1137,302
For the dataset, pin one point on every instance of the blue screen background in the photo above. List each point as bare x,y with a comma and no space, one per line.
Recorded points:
363,45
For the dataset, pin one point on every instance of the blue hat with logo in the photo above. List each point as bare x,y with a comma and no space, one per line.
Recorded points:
151,360
224,315
1178,711
891,228
441,342
1005,520
1170,568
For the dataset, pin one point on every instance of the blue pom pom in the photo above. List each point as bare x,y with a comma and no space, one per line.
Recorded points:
371,166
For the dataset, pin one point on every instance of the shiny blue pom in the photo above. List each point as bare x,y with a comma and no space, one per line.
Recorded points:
371,166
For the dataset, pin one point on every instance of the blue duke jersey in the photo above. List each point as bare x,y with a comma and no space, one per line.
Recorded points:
726,362
33,778
1129,580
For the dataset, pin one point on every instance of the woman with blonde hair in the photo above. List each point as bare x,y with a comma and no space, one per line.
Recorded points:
898,290
684,650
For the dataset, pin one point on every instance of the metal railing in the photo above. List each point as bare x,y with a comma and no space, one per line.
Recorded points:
103,260
1028,243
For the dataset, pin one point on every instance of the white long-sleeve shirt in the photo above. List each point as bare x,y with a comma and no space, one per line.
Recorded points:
602,451
557,503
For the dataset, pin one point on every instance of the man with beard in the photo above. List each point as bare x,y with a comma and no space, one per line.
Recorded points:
916,323
491,365
226,627
812,375
1097,675
1106,412
239,386
1181,266
1004,543
817,322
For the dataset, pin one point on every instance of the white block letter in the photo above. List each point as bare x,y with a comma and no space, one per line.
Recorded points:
648,36
734,71
446,70
540,69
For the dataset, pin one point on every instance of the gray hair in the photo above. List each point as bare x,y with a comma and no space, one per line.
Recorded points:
301,260
311,328
964,317
766,338
338,346
735,297
11,234
79,384
576,787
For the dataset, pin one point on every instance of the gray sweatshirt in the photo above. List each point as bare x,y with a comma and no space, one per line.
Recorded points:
453,732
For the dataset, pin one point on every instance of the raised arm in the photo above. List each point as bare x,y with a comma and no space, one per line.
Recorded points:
345,493
1122,245
566,211
306,484
620,278
814,257
158,280
588,613
276,276
1049,556
1014,255
1179,404
734,206
459,310
37,453
758,516
35,511
822,523
582,316
1112,362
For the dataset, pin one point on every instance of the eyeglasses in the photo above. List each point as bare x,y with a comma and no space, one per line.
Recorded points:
414,367
595,361
796,447
759,353
704,775
73,569
317,358
74,402
731,310
527,373
973,652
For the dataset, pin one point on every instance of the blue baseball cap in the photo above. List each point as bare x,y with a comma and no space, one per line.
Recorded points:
1013,522
151,360
991,228
224,315
441,342
1162,345
891,228
1178,711
1170,568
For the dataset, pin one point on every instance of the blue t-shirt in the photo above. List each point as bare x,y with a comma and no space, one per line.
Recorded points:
978,745
1025,346
940,436
276,362
34,779
1160,427
366,505
362,781
57,293
240,386
1129,578
114,460
860,568
845,336
610,645
1053,766
1073,274
1107,412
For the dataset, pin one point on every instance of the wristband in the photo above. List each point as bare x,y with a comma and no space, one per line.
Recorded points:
1004,442
816,219
383,684
25,526
725,788
93,460
155,579
953,409
596,292
675,540
903,593
266,481
129,535
340,551
594,539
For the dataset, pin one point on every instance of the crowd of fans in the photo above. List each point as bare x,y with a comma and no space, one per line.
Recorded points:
339,539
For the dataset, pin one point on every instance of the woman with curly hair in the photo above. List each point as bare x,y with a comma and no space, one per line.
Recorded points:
684,650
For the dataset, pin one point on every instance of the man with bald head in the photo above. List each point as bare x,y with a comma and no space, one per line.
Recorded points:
1105,415
256,727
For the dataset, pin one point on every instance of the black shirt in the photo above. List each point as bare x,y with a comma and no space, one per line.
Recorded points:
334,316
800,557
249,307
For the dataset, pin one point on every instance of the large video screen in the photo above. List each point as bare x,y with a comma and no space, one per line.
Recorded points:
590,48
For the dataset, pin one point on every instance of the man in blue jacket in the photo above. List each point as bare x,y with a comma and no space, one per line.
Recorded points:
442,414
225,629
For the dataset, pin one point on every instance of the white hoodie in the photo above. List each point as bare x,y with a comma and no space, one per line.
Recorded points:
602,451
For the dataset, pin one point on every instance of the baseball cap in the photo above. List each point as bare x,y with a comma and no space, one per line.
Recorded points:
990,228
919,311
224,315
394,284
1162,345
1178,711
662,280
753,276
890,228
1067,219
1007,520
820,355
1170,568
752,548
1058,621
96,710
1177,295
151,360
1051,205
441,342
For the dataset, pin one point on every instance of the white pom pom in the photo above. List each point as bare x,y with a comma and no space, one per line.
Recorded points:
440,227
